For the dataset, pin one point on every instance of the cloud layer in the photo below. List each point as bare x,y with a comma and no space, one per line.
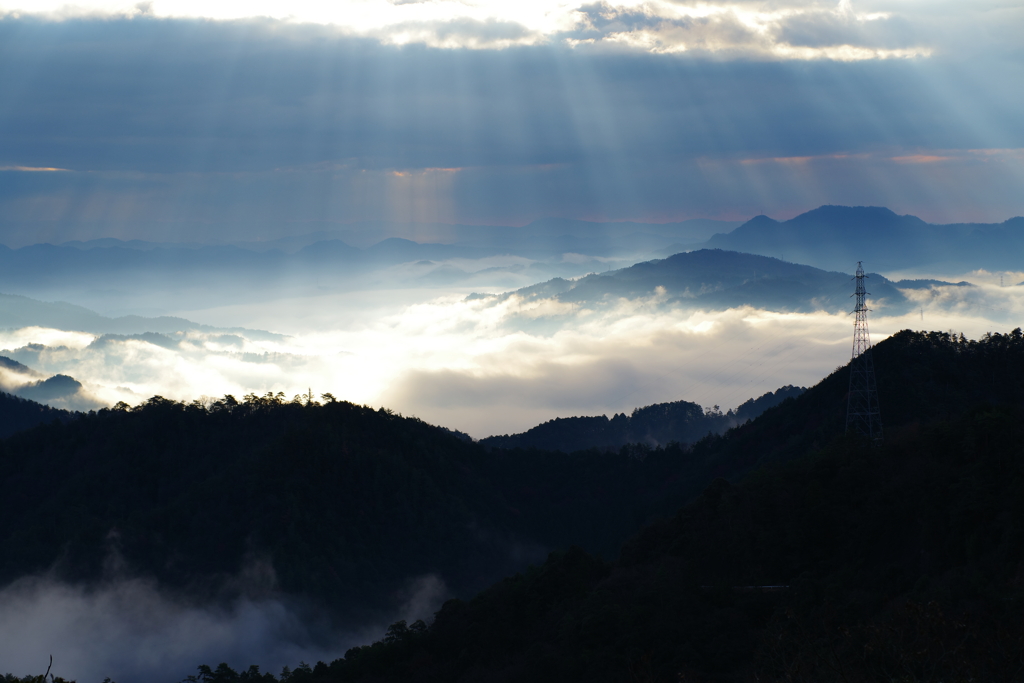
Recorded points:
797,29
490,366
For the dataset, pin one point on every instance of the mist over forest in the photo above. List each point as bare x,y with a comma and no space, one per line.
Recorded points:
469,340
161,571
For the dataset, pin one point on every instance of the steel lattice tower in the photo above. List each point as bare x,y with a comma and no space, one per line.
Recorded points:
862,414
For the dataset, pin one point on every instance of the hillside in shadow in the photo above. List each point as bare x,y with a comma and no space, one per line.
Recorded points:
831,561
655,425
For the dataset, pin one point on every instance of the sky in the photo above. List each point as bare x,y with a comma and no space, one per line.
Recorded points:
174,120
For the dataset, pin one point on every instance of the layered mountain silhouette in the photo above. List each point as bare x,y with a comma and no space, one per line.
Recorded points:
542,237
829,237
347,503
832,237
20,311
59,390
716,279
336,258
833,561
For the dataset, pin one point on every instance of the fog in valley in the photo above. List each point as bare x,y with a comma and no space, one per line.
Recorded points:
132,629
487,365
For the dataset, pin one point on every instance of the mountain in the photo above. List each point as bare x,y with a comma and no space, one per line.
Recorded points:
59,391
58,386
654,425
840,562
192,490
851,565
21,311
538,237
834,237
716,279
328,257
347,504
18,414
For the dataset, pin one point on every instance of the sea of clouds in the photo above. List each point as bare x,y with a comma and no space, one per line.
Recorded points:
490,365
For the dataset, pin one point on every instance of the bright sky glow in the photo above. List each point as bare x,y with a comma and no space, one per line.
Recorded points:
658,26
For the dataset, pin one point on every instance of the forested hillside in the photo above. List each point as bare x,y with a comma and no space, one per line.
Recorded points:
654,425
834,561
17,414
851,564
347,503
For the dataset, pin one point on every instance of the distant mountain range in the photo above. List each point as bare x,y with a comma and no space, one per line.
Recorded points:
59,391
541,237
835,237
716,279
831,237
381,255
21,311
344,259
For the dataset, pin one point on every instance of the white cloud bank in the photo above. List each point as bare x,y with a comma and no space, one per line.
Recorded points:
489,367
797,29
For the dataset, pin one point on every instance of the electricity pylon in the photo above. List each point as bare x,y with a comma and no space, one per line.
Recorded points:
862,414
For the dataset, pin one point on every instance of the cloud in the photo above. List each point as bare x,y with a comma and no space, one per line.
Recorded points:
30,169
263,129
132,628
798,31
786,30
496,365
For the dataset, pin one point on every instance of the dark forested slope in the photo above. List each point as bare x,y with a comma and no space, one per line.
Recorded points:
654,425
17,414
346,502
846,563
852,565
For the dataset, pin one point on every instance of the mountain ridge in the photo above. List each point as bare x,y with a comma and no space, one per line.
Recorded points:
654,425
716,278
808,556
833,236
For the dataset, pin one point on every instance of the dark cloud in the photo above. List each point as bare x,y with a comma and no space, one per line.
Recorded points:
826,29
